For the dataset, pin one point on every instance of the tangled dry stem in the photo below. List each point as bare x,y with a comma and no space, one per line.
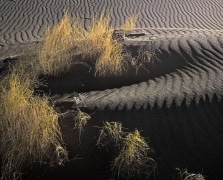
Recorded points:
68,38
53,55
185,175
29,129
134,158
81,120
110,132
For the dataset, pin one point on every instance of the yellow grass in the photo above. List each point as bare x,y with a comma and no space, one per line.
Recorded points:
54,56
185,175
111,60
29,129
130,23
134,159
101,47
81,120
69,37
110,132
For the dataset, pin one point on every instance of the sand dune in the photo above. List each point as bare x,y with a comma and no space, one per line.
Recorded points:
24,21
198,75
178,104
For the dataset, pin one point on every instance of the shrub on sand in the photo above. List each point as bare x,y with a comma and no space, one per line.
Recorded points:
111,60
107,51
81,120
130,23
134,159
54,56
110,132
29,129
185,175
69,38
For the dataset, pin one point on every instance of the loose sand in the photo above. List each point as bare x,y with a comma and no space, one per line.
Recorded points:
178,104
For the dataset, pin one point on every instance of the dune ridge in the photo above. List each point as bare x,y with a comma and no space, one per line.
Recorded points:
180,111
199,77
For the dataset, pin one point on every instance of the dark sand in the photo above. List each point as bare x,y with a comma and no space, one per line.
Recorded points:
177,105
24,21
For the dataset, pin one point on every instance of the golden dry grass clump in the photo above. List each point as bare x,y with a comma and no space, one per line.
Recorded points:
134,158
81,120
130,23
54,56
29,129
69,38
110,132
185,175
107,51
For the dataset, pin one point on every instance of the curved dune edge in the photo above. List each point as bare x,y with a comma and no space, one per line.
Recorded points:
23,22
199,76
180,111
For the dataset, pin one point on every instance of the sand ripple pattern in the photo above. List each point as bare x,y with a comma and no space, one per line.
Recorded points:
24,21
200,78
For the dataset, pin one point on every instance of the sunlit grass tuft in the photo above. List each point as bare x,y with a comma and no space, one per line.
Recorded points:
29,129
99,45
130,23
134,159
54,54
110,132
69,38
185,175
81,120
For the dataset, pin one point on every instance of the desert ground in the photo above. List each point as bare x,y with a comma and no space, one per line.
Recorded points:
112,89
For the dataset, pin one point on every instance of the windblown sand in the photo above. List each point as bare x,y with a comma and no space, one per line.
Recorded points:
178,105
24,21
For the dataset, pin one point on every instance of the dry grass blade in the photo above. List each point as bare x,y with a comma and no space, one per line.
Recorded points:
111,60
81,120
54,56
101,46
130,23
69,38
134,157
29,129
110,132
185,175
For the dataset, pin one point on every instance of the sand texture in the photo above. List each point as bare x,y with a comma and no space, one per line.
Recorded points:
23,22
188,65
177,104
175,100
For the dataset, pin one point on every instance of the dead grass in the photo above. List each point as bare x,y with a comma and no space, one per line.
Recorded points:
111,60
130,23
185,175
81,120
29,129
110,132
69,38
107,51
54,56
134,159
